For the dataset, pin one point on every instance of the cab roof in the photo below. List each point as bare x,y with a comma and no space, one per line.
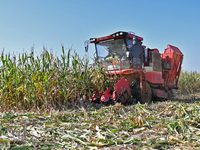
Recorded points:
116,35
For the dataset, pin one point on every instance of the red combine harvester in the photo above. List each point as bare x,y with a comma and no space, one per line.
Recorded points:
144,72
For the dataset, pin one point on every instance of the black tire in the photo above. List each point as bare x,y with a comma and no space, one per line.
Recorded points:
146,94
169,95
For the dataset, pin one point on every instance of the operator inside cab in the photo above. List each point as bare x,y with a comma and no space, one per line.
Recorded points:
111,57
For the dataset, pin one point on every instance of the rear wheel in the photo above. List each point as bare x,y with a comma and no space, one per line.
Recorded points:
146,93
169,95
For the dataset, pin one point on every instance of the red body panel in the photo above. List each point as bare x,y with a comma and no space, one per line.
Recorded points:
122,91
105,38
159,93
154,77
175,57
122,85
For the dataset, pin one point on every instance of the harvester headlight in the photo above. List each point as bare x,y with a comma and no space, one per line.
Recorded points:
120,33
92,40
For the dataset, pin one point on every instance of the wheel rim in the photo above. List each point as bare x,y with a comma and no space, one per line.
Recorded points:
146,93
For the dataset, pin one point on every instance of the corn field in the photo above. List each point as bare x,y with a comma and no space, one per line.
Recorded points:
43,82
29,82
189,82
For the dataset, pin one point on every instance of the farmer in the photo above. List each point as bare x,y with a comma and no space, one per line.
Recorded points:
111,57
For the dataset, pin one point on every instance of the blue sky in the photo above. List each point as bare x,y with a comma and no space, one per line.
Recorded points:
50,23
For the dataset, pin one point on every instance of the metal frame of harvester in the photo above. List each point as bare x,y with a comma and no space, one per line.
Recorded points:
144,72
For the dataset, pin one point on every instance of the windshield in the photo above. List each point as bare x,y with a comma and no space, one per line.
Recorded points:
111,47
112,51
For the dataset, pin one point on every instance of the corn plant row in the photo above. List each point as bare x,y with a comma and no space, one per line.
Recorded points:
189,82
45,81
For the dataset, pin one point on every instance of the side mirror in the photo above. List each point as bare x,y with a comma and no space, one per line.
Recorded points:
86,43
94,55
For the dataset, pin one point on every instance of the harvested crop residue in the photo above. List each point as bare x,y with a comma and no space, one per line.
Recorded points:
160,125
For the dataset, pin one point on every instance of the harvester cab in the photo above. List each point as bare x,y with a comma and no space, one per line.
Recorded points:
119,51
144,72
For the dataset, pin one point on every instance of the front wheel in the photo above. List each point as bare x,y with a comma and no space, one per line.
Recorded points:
146,93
